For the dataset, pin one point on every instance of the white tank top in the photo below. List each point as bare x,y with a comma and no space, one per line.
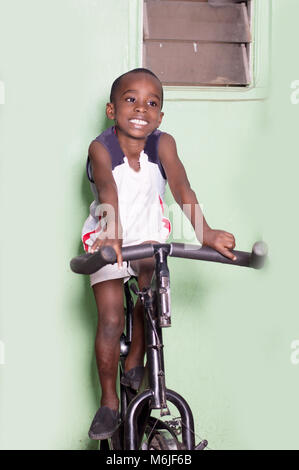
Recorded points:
140,194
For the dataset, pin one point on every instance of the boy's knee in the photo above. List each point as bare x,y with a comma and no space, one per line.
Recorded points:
144,266
111,322
146,271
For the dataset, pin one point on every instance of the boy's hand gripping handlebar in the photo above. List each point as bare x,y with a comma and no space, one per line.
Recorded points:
89,263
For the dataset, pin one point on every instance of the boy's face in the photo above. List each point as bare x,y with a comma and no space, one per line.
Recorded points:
137,105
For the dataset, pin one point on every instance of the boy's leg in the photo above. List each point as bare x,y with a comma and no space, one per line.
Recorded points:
109,300
135,358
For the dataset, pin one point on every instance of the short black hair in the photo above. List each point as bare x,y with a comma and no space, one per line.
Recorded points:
116,82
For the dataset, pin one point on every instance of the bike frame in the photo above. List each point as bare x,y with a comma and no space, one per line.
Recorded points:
136,408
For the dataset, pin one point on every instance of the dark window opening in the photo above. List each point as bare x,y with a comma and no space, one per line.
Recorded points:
198,42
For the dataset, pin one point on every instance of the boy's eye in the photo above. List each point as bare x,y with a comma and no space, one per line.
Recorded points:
132,99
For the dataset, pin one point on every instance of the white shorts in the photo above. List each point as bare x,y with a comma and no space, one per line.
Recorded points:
112,271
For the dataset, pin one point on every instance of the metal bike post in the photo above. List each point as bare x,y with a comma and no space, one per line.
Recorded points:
132,434
154,351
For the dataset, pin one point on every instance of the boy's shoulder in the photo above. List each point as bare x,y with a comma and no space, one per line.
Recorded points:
109,141
166,143
166,137
106,136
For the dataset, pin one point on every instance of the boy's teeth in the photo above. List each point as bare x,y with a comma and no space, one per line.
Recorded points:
138,121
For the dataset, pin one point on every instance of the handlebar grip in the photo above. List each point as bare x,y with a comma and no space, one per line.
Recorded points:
258,255
256,259
89,263
205,253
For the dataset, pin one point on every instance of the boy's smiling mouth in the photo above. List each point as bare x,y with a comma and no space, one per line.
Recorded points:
138,122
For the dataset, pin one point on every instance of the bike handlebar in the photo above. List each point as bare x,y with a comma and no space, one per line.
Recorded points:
89,263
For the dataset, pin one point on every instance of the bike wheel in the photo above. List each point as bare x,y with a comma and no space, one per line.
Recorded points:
163,440
160,436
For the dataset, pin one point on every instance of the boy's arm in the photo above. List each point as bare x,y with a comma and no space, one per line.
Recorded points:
186,198
107,191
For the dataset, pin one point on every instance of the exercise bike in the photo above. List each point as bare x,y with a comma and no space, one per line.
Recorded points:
138,429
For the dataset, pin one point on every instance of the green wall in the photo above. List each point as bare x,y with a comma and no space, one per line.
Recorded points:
229,349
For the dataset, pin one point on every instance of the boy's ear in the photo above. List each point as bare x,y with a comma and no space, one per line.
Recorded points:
110,111
160,118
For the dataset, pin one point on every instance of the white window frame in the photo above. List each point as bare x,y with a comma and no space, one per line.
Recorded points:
260,58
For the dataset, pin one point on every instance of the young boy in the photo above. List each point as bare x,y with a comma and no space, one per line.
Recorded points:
128,166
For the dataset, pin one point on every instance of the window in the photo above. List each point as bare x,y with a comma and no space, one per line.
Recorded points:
198,42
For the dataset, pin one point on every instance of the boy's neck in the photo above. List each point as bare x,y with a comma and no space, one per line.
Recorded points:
130,146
